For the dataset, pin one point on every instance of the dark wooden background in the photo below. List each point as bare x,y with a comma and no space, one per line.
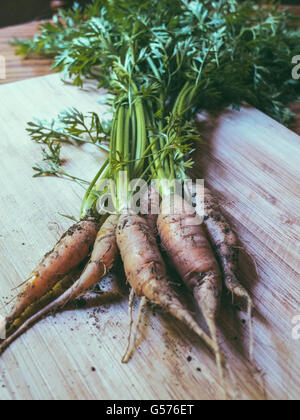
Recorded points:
19,11
13,12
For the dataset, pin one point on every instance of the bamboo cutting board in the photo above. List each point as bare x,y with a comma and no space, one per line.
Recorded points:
253,165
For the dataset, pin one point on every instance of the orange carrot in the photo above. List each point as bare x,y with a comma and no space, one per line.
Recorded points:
189,250
101,262
59,288
68,253
146,271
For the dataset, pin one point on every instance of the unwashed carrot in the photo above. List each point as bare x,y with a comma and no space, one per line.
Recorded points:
59,288
225,244
189,250
68,253
146,271
101,262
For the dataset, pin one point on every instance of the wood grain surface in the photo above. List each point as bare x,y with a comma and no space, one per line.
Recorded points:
252,163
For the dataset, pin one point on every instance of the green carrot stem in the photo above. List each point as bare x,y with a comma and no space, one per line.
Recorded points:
90,198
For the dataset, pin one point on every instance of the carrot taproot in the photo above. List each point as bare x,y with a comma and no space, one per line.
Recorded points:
226,246
146,271
101,261
68,253
184,239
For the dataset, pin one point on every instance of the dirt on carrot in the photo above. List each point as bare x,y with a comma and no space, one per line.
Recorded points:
226,246
146,271
74,246
189,250
101,261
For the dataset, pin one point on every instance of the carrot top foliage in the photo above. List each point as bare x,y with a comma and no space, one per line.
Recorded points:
232,52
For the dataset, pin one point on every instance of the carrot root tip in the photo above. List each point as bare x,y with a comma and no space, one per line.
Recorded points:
131,347
125,358
242,293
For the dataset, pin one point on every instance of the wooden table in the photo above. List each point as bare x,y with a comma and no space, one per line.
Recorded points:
252,163
77,354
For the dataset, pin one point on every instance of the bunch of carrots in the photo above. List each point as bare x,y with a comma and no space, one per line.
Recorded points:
161,61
